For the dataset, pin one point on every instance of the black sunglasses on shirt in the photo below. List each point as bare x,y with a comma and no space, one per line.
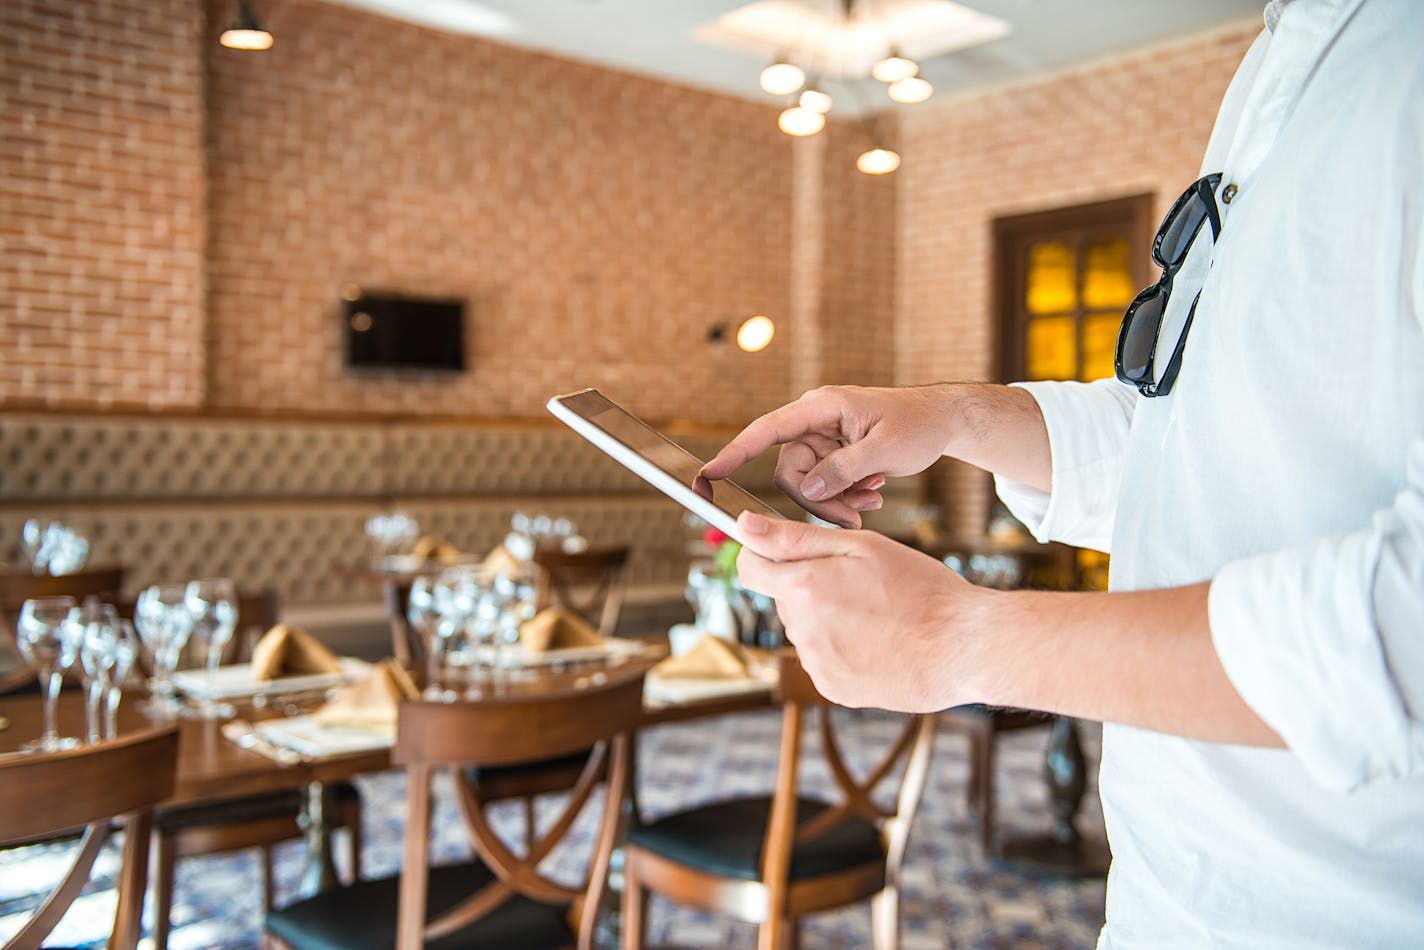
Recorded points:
1142,324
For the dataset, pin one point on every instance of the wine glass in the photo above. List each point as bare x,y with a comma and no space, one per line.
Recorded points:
512,600
424,617
164,624
126,650
49,633
96,658
212,602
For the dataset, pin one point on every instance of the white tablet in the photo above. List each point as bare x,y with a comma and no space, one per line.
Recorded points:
658,460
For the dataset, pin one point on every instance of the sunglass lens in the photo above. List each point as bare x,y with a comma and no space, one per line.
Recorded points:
1181,230
1138,336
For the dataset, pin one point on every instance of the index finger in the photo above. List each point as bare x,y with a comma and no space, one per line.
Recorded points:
787,424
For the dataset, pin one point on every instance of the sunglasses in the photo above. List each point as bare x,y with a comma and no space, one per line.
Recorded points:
1142,324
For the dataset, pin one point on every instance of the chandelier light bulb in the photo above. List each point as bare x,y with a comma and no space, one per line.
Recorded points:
782,78
815,99
894,67
878,161
910,90
799,121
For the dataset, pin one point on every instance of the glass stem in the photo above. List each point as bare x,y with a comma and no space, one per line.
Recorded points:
111,711
91,709
52,683
432,673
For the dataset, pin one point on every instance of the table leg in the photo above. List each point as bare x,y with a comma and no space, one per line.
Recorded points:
319,870
1064,851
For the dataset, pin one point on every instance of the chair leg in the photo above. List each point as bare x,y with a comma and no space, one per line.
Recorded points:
986,796
355,838
266,865
885,919
530,829
635,911
164,858
772,934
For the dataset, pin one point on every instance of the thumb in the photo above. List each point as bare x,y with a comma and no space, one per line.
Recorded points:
839,471
779,539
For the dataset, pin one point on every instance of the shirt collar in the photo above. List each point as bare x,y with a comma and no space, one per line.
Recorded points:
1273,12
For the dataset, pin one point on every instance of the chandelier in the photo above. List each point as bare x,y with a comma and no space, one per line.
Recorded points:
820,47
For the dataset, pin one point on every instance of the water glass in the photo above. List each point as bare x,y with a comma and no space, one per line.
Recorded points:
126,650
164,625
49,633
212,602
97,651
511,602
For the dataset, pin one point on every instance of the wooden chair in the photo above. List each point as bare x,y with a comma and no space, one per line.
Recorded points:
16,587
589,582
772,860
42,796
982,726
501,899
257,821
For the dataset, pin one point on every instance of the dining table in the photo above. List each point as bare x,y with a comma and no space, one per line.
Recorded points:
213,767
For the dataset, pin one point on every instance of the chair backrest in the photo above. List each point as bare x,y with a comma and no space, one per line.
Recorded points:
527,724
588,582
912,747
89,787
406,644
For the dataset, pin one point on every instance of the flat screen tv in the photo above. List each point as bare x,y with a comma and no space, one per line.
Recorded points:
386,331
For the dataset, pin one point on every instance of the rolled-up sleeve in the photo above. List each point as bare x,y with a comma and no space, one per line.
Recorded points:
1326,642
1088,426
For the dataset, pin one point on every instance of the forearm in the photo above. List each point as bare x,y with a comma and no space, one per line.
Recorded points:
1142,658
1001,430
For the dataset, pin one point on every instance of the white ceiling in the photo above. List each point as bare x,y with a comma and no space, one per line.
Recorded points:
659,38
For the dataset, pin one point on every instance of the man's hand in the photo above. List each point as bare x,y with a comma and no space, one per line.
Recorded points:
874,623
839,444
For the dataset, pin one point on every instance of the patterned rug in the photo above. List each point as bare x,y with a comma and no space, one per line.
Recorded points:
952,897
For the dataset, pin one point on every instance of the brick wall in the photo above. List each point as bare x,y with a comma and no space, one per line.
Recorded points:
1129,125
101,202
597,222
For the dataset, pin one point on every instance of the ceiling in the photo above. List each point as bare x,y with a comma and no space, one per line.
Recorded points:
668,39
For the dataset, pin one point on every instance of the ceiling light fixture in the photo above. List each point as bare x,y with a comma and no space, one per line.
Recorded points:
910,90
894,67
246,32
815,99
799,121
878,161
782,78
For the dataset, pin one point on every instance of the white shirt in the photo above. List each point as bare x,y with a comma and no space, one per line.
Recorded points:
1287,465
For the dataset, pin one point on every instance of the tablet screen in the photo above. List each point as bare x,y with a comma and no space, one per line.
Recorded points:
627,438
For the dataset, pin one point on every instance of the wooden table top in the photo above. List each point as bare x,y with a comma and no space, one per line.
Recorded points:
211,767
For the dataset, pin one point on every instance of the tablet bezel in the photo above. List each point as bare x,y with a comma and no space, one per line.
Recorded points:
654,475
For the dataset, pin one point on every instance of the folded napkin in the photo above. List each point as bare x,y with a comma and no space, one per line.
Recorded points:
555,628
430,548
711,659
291,651
371,702
502,561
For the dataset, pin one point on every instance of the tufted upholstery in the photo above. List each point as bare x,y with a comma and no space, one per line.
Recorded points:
283,504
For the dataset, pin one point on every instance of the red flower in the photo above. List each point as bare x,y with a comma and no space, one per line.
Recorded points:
714,538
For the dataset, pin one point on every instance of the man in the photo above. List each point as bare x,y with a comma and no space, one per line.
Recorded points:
1260,663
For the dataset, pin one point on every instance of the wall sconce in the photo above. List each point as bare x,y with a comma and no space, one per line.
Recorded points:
246,32
753,335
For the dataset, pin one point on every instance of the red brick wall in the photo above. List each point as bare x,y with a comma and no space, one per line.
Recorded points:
101,202
1129,125
598,223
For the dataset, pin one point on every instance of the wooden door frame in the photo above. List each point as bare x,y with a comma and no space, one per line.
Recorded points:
1011,233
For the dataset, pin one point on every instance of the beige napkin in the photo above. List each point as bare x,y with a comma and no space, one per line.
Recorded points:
430,548
501,561
291,651
371,702
711,659
555,628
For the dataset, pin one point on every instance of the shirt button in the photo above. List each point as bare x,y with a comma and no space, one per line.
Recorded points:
1228,193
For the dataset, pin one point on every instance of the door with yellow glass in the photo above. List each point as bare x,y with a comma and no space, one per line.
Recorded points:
1064,279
